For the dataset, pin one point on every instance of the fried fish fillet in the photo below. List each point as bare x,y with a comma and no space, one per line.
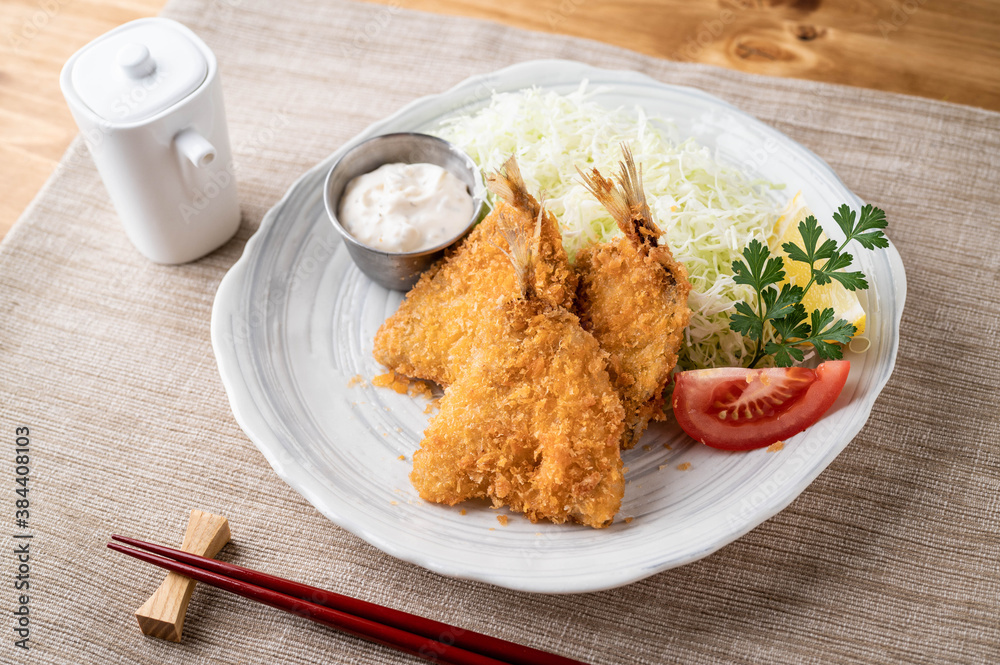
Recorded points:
534,422
632,296
433,332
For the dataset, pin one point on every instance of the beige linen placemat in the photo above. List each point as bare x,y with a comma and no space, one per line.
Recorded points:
890,556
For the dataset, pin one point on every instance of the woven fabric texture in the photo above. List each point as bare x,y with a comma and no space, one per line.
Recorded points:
889,556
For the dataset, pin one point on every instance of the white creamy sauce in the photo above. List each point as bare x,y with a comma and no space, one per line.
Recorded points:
405,207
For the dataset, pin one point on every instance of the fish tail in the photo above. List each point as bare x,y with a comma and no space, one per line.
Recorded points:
625,199
508,184
522,251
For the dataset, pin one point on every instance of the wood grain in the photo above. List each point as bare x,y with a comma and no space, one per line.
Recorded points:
163,614
36,38
933,48
941,50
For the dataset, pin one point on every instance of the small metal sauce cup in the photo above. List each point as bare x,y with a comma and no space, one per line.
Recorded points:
400,270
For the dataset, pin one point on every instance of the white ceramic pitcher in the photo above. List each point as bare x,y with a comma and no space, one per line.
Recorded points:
148,101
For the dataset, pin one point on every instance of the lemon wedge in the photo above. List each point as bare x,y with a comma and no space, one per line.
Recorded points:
845,303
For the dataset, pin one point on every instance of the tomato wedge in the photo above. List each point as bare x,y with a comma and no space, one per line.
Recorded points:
734,408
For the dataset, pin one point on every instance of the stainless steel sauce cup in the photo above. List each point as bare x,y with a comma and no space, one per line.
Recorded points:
400,270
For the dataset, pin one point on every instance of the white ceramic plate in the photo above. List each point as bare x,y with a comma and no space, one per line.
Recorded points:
294,321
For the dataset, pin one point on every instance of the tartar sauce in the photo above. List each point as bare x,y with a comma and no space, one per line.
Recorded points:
405,207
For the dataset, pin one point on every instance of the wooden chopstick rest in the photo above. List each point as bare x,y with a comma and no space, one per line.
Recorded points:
163,614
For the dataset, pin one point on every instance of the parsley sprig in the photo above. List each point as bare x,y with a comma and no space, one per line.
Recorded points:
781,306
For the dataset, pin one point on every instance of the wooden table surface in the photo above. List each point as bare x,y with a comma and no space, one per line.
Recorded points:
941,49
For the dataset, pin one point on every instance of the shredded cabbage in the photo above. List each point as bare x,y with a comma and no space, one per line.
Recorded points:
708,211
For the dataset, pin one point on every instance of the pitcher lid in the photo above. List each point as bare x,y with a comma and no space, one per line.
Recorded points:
138,70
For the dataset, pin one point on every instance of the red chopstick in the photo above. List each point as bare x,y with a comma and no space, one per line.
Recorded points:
432,640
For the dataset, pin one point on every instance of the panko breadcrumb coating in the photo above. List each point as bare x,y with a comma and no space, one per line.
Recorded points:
433,332
632,296
533,423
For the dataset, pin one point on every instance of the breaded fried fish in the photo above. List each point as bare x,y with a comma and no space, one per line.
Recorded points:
534,422
632,296
432,333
